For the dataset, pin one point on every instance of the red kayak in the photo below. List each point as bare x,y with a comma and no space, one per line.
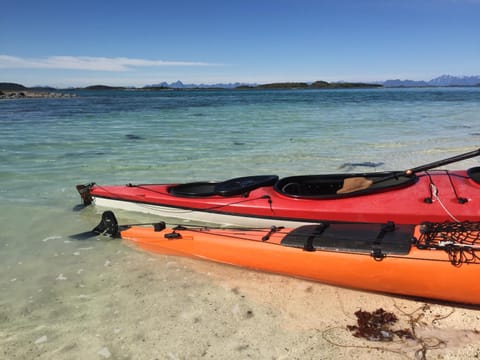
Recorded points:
405,197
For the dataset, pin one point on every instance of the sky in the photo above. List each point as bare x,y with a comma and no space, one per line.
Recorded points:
65,43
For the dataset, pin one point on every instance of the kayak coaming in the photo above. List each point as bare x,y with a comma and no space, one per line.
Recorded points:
421,273
335,186
265,206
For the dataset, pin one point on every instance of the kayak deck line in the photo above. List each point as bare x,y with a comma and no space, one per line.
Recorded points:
437,195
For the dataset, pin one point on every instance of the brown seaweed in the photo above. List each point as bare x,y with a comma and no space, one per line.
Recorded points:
377,326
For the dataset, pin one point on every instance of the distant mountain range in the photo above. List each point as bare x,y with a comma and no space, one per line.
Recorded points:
444,80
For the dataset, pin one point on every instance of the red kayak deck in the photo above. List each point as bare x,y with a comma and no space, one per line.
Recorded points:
436,196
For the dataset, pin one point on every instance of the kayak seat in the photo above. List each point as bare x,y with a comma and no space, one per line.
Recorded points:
311,188
334,185
474,174
232,187
352,237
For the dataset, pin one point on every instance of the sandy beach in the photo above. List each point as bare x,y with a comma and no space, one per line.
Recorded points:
136,305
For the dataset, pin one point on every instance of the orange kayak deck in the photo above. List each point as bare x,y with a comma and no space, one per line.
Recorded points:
385,258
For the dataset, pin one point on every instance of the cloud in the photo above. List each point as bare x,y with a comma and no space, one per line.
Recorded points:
88,63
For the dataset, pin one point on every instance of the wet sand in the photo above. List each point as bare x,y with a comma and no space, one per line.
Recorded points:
113,301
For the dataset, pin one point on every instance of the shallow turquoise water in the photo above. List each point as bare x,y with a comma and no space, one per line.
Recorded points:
48,146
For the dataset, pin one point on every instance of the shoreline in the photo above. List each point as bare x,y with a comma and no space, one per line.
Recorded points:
27,94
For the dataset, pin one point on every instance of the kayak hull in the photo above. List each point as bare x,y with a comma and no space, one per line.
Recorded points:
411,271
436,196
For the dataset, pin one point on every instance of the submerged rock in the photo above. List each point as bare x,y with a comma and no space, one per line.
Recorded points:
41,340
105,353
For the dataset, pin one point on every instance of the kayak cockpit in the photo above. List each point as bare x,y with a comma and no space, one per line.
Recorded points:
232,187
474,174
342,185
305,186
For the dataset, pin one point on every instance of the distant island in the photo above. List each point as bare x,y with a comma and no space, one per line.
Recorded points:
178,85
16,91
314,85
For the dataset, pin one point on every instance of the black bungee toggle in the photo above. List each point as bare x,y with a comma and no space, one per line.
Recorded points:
272,231
173,235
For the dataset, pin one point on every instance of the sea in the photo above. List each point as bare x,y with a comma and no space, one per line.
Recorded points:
62,298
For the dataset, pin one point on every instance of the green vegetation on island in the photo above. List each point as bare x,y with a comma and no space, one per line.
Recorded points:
5,86
315,85
103,87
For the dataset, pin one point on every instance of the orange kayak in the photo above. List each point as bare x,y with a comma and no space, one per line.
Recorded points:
433,260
